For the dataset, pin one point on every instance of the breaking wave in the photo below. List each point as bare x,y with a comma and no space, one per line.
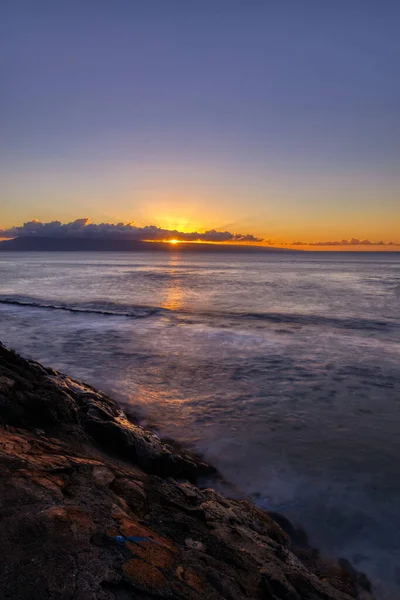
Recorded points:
142,312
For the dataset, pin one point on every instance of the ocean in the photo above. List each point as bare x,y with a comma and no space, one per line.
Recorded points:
281,369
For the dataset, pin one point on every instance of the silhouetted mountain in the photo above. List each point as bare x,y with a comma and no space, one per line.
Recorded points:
77,244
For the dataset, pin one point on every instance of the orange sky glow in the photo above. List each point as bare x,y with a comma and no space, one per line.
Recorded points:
177,230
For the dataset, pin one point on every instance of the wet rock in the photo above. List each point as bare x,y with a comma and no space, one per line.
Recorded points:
133,493
32,397
102,475
296,533
91,511
194,544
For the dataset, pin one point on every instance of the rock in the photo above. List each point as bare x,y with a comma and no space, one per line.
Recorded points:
6,383
133,494
32,397
102,475
296,533
90,511
194,544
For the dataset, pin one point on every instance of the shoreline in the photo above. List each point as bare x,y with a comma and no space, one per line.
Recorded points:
83,483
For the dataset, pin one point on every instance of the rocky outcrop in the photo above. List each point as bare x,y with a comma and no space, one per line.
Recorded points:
95,507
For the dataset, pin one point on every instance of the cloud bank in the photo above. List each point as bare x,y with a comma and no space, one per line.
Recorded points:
84,228
352,242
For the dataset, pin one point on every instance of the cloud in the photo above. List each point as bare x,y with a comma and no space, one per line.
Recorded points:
84,228
351,242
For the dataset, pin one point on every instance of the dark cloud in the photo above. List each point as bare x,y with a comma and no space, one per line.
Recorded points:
352,242
84,228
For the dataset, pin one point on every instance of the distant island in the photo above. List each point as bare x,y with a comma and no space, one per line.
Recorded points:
104,244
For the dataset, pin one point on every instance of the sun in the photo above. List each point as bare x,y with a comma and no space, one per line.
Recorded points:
173,241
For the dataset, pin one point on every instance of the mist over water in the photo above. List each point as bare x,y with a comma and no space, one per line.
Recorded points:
282,369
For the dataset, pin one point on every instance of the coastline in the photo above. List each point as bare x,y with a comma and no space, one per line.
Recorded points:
96,506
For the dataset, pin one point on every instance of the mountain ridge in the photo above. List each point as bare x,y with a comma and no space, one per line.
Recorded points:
104,244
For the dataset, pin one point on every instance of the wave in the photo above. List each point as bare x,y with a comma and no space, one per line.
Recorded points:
137,313
342,322
233,318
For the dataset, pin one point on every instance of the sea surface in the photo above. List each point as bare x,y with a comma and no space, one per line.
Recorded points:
282,369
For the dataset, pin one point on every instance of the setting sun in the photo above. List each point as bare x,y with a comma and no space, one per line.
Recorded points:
173,241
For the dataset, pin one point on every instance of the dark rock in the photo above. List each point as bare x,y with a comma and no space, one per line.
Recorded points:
33,397
90,511
296,533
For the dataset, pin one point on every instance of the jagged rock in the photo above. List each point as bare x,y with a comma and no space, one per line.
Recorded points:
34,397
90,510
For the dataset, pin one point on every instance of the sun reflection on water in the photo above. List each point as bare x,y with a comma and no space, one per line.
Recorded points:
173,294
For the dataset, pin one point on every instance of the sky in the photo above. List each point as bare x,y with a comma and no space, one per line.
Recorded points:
276,119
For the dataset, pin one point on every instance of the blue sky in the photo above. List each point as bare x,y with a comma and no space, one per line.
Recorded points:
280,118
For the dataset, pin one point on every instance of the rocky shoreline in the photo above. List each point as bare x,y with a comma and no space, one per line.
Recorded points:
95,507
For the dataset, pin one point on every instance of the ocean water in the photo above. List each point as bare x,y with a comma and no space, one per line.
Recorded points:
282,369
